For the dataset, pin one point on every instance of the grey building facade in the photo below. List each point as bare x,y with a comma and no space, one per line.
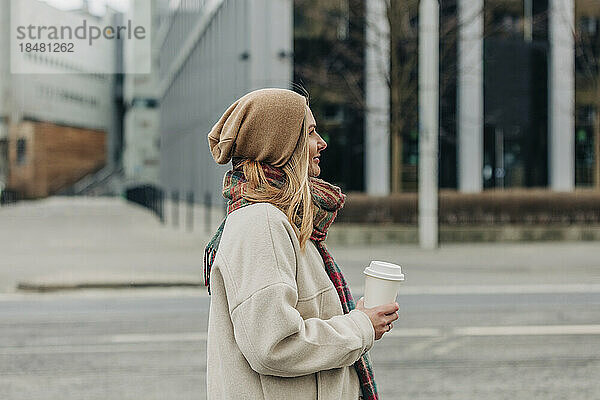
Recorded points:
211,53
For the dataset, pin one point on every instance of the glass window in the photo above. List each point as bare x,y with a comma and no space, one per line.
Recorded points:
21,151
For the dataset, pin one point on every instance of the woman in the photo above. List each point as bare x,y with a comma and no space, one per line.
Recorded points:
282,322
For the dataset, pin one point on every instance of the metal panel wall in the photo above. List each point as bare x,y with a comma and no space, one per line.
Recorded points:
209,57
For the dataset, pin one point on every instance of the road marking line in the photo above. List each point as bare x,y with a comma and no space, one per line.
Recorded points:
448,346
422,345
169,337
495,289
435,336
533,330
415,332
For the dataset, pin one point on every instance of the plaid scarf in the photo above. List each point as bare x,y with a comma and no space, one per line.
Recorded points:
328,200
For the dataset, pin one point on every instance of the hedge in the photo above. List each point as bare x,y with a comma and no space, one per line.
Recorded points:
488,207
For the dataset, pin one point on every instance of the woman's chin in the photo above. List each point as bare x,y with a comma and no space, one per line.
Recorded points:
315,171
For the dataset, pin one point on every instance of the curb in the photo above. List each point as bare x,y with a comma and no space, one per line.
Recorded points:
55,287
350,234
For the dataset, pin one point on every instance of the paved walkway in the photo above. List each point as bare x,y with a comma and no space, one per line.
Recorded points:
72,241
75,240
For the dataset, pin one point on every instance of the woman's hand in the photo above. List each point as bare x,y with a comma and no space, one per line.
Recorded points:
380,316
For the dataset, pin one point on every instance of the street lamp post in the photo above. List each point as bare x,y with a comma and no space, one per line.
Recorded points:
428,122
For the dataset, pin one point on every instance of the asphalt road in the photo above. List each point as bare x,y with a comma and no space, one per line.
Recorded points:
151,344
477,321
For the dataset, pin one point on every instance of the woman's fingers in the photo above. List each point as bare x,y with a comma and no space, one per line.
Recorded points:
388,308
389,312
381,316
392,317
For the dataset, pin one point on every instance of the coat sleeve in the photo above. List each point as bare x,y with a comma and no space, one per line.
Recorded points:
259,276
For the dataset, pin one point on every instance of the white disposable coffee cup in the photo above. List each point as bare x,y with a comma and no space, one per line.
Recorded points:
382,282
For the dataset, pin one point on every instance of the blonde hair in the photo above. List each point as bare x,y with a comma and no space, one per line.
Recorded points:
294,197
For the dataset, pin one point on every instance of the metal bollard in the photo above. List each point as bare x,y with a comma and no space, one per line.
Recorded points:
207,210
190,211
161,206
175,200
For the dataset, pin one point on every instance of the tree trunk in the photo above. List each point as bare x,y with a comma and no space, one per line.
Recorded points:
597,138
395,129
395,124
396,162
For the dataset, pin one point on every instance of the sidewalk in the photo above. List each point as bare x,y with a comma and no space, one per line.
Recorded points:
63,242
71,241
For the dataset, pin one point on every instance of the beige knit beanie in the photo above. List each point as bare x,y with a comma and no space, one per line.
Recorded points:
263,125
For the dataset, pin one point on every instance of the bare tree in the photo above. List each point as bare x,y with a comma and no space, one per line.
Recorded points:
341,78
587,53
337,76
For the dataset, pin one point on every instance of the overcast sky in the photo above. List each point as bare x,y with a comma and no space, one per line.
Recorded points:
96,6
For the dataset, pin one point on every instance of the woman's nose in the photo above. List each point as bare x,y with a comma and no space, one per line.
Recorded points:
322,143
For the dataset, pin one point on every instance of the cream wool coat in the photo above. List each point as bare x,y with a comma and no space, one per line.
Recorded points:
276,327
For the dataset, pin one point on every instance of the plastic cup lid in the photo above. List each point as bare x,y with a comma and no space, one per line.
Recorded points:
384,270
